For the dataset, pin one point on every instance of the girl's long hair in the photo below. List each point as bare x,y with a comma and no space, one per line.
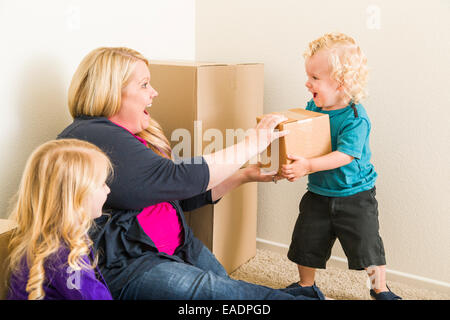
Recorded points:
50,207
96,90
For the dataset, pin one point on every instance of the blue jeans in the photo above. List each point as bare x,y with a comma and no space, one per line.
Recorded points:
206,280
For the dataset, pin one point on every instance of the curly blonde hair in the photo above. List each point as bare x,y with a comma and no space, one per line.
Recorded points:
96,86
347,61
50,207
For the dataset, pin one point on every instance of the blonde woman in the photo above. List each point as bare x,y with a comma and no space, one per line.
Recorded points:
63,188
149,250
340,201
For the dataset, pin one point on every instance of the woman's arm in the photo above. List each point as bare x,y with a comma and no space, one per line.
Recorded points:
142,178
224,163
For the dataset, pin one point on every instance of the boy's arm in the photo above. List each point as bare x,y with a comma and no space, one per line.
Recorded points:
302,166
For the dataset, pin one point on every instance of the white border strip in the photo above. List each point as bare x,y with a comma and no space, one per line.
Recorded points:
388,271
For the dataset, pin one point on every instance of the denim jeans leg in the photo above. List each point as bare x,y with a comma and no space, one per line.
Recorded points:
208,262
181,281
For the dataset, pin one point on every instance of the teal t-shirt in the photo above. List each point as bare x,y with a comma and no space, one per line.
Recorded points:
350,129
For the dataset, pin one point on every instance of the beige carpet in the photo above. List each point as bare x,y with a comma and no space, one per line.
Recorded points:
274,270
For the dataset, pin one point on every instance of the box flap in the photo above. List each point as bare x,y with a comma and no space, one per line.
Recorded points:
196,64
296,115
187,63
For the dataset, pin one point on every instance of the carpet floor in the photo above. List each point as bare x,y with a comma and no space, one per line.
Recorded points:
274,270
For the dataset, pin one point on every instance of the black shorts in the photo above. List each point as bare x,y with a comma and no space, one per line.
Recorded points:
353,220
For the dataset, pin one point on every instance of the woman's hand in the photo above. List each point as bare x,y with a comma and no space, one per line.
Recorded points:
256,141
253,173
263,134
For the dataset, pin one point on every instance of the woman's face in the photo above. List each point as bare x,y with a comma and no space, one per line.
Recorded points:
136,97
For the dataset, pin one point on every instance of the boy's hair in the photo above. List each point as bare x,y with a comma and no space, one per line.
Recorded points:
50,207
347,61
96,90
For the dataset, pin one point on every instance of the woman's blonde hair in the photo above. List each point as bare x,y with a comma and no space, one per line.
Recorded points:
50,207
96,90
348,63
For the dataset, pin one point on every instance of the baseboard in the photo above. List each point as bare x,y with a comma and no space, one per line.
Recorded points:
392,275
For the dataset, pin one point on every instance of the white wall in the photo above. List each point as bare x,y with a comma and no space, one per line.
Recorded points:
409,106
42,44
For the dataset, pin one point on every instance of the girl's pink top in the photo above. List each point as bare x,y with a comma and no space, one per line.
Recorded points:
160,221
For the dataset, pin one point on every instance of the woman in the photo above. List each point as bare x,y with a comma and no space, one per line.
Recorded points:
149,252
63,189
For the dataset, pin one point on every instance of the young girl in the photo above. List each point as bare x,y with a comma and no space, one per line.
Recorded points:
63,189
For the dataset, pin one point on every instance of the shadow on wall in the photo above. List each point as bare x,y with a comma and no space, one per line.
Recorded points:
39,102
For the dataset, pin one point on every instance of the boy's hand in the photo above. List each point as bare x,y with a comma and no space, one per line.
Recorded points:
298,168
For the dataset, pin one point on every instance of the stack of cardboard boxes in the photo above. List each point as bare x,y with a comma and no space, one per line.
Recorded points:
206,100
198,97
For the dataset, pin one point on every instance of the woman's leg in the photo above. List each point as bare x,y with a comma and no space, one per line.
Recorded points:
208,262
207,280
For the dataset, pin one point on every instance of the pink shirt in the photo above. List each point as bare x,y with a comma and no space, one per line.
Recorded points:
160,221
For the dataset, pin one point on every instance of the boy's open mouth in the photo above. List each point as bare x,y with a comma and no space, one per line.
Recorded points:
314,94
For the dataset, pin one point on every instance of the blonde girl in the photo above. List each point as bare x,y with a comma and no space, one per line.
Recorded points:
62,190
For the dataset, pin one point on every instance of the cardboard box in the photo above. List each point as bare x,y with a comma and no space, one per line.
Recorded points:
222,96
309,137
5,234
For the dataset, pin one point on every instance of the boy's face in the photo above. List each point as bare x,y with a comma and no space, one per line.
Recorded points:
327,94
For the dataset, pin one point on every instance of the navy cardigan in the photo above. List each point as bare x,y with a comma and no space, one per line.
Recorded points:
141,178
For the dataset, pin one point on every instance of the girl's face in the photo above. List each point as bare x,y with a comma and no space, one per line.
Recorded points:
136,97
327,93
97,199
